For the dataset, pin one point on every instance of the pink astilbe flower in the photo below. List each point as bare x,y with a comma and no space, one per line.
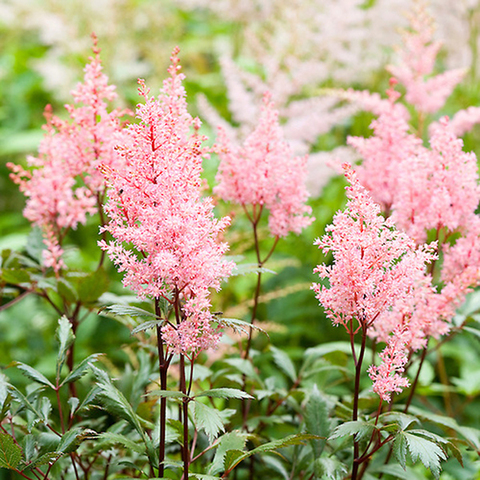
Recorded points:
264,172
417,60
165,235
438,187
375,266
384,152
63,185
464,120
386,377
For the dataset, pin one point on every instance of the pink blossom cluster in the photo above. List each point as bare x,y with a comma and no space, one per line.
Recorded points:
378,272
63,185
425,91
165,237
264,172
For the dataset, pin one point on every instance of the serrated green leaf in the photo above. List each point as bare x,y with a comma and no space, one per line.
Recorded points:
120,309
45,408
358,428
201,476
244,366
91,287
72,439
275,464
282,360
329,468
244,268
429,453
32,374
239,326
66,290
118,439
65,337
73,402
234,457
402,420
229,441
147,326
15,276
115,402
316,420
45,459
400,449
29,447
167,394
224,393
10,453
81,369
208,419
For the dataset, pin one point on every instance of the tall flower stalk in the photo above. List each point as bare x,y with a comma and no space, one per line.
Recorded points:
378,272
165,237
264,176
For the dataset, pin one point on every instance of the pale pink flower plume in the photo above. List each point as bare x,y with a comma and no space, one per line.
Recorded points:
417,60
263,172
464,120
165,234
437,188
63,185
386,377
376,267
384,152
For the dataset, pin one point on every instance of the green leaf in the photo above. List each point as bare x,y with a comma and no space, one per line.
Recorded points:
239,326
66,291
10,453
275,464
147,326
244,366
32,374
65,338
329,468
208,419
402,420
15,276
35,245
244,268
358,428
167,394
429,453
234,457
316,420
115,402
224,393
201,476
400,449
73,438
118,439
282,360
119,309
235,440
91,287
81,369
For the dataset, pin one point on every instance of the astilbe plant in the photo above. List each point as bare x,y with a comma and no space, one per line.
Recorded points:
376,269
263,175
165,237
64,186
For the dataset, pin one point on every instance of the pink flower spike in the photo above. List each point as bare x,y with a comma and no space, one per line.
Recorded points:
165,237
264,172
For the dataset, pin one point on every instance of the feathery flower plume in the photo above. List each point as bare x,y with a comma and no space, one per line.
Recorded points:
375,267
438,187
264,172
417,60
384,152
165,234
63,186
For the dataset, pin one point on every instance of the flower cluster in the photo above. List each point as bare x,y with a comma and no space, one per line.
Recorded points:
264,172
63,186
165,235
376,270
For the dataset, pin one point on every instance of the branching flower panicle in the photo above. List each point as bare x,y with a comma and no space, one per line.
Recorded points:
165,234
63,186
375,266
263,172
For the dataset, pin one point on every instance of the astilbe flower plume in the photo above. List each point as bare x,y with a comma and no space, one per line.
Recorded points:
63,186
425,91
375,267
264,173
165,234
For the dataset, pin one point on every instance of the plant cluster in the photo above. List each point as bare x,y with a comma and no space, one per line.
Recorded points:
198,393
